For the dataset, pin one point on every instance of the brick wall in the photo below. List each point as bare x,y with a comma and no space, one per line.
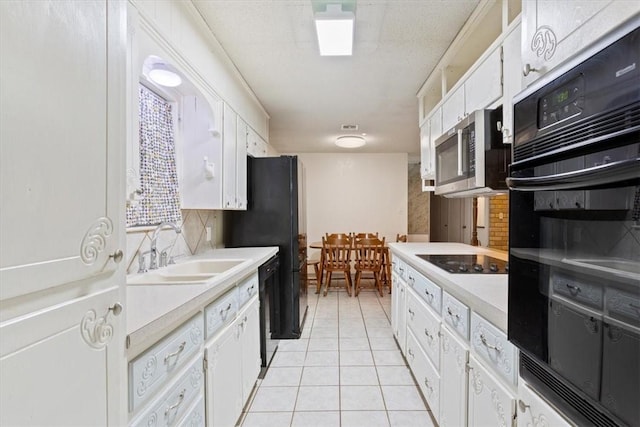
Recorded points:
499,222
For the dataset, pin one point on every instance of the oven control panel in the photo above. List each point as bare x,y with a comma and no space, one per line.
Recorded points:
564,102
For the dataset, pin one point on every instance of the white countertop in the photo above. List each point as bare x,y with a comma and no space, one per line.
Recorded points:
486,294
153,310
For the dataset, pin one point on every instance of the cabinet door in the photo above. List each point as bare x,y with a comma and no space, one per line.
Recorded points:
61,143
250,321
453,380
241,165
554,31
512,83
453,109
223,390
401,331
426,153
62,204
533,411
484,85
435,129
394,301
229,161
490,403
57,365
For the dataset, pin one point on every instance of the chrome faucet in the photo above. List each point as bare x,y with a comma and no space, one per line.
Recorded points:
153,252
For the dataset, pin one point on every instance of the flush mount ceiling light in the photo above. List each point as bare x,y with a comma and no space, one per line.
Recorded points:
335,31
162,75
350,141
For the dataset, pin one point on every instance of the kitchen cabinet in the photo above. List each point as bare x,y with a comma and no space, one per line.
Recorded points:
201,153
453,371
256,146
554,31
232,361
480,89
513,79
533,411
62,223
399,303
425,373
429,131
234,167
490,403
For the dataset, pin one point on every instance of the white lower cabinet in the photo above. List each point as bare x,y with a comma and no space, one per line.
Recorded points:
425,374
490,403
453,385
230,373
400,332
533,411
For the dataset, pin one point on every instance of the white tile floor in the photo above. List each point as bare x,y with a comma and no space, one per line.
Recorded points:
346,370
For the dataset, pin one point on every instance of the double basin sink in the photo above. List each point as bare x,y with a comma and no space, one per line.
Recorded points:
189,272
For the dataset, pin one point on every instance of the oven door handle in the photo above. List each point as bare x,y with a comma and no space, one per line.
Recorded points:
609,173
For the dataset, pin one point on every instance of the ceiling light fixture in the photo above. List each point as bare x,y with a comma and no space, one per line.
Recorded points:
335,31
350,141
162,75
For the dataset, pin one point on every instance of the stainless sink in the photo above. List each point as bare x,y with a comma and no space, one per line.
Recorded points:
187,273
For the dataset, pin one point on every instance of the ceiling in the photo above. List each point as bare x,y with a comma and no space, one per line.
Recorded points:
397,44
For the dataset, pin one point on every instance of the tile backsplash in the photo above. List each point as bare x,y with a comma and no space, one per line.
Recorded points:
201,232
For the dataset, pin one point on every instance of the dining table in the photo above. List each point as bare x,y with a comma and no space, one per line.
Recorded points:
386,264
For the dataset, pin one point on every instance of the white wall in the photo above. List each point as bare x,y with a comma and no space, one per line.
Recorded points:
351,192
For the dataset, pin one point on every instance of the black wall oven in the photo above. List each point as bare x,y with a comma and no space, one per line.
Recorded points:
574,236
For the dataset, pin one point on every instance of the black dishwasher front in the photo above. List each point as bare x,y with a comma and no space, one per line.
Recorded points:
269,276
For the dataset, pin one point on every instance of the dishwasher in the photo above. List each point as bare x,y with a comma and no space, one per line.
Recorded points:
268,291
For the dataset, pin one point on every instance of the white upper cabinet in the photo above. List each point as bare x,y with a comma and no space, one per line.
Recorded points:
512,84
453,109
426,154
62,222
256,146
234,168
554,31
201,148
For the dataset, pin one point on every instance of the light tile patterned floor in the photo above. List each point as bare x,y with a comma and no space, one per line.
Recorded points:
345,371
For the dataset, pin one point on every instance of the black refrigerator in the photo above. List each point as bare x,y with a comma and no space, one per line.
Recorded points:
275,216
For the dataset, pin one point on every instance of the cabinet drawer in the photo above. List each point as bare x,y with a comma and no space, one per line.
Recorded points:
492,345
579,291
455,314
173,404
148,371
425,327
426,375
220,312
623,305
195,415
430,292
247,289
490,404
532,409
402,269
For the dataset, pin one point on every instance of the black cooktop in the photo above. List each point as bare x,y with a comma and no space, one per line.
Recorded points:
468,264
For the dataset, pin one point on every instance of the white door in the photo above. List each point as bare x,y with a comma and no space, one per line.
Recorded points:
453,382
224,384
62,186
250,348
453,109
229,163
484,85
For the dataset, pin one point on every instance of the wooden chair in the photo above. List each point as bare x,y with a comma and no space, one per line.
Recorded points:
336,257
369,252
365,235
401,238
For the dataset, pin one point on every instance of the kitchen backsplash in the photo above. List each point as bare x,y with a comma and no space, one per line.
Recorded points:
499,222
201,232
418,203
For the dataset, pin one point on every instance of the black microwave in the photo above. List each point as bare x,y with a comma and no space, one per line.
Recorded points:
470,159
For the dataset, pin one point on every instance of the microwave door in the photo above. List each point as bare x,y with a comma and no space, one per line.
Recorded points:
452,163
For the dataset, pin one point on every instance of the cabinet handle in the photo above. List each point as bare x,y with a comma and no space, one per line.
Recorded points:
426,332
412,281
410,353
225,310
486,344
573,290
452,314
460,171
527,69
117,256
250,290
175,353
116,308
523,406
167,412
426,384
411,313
